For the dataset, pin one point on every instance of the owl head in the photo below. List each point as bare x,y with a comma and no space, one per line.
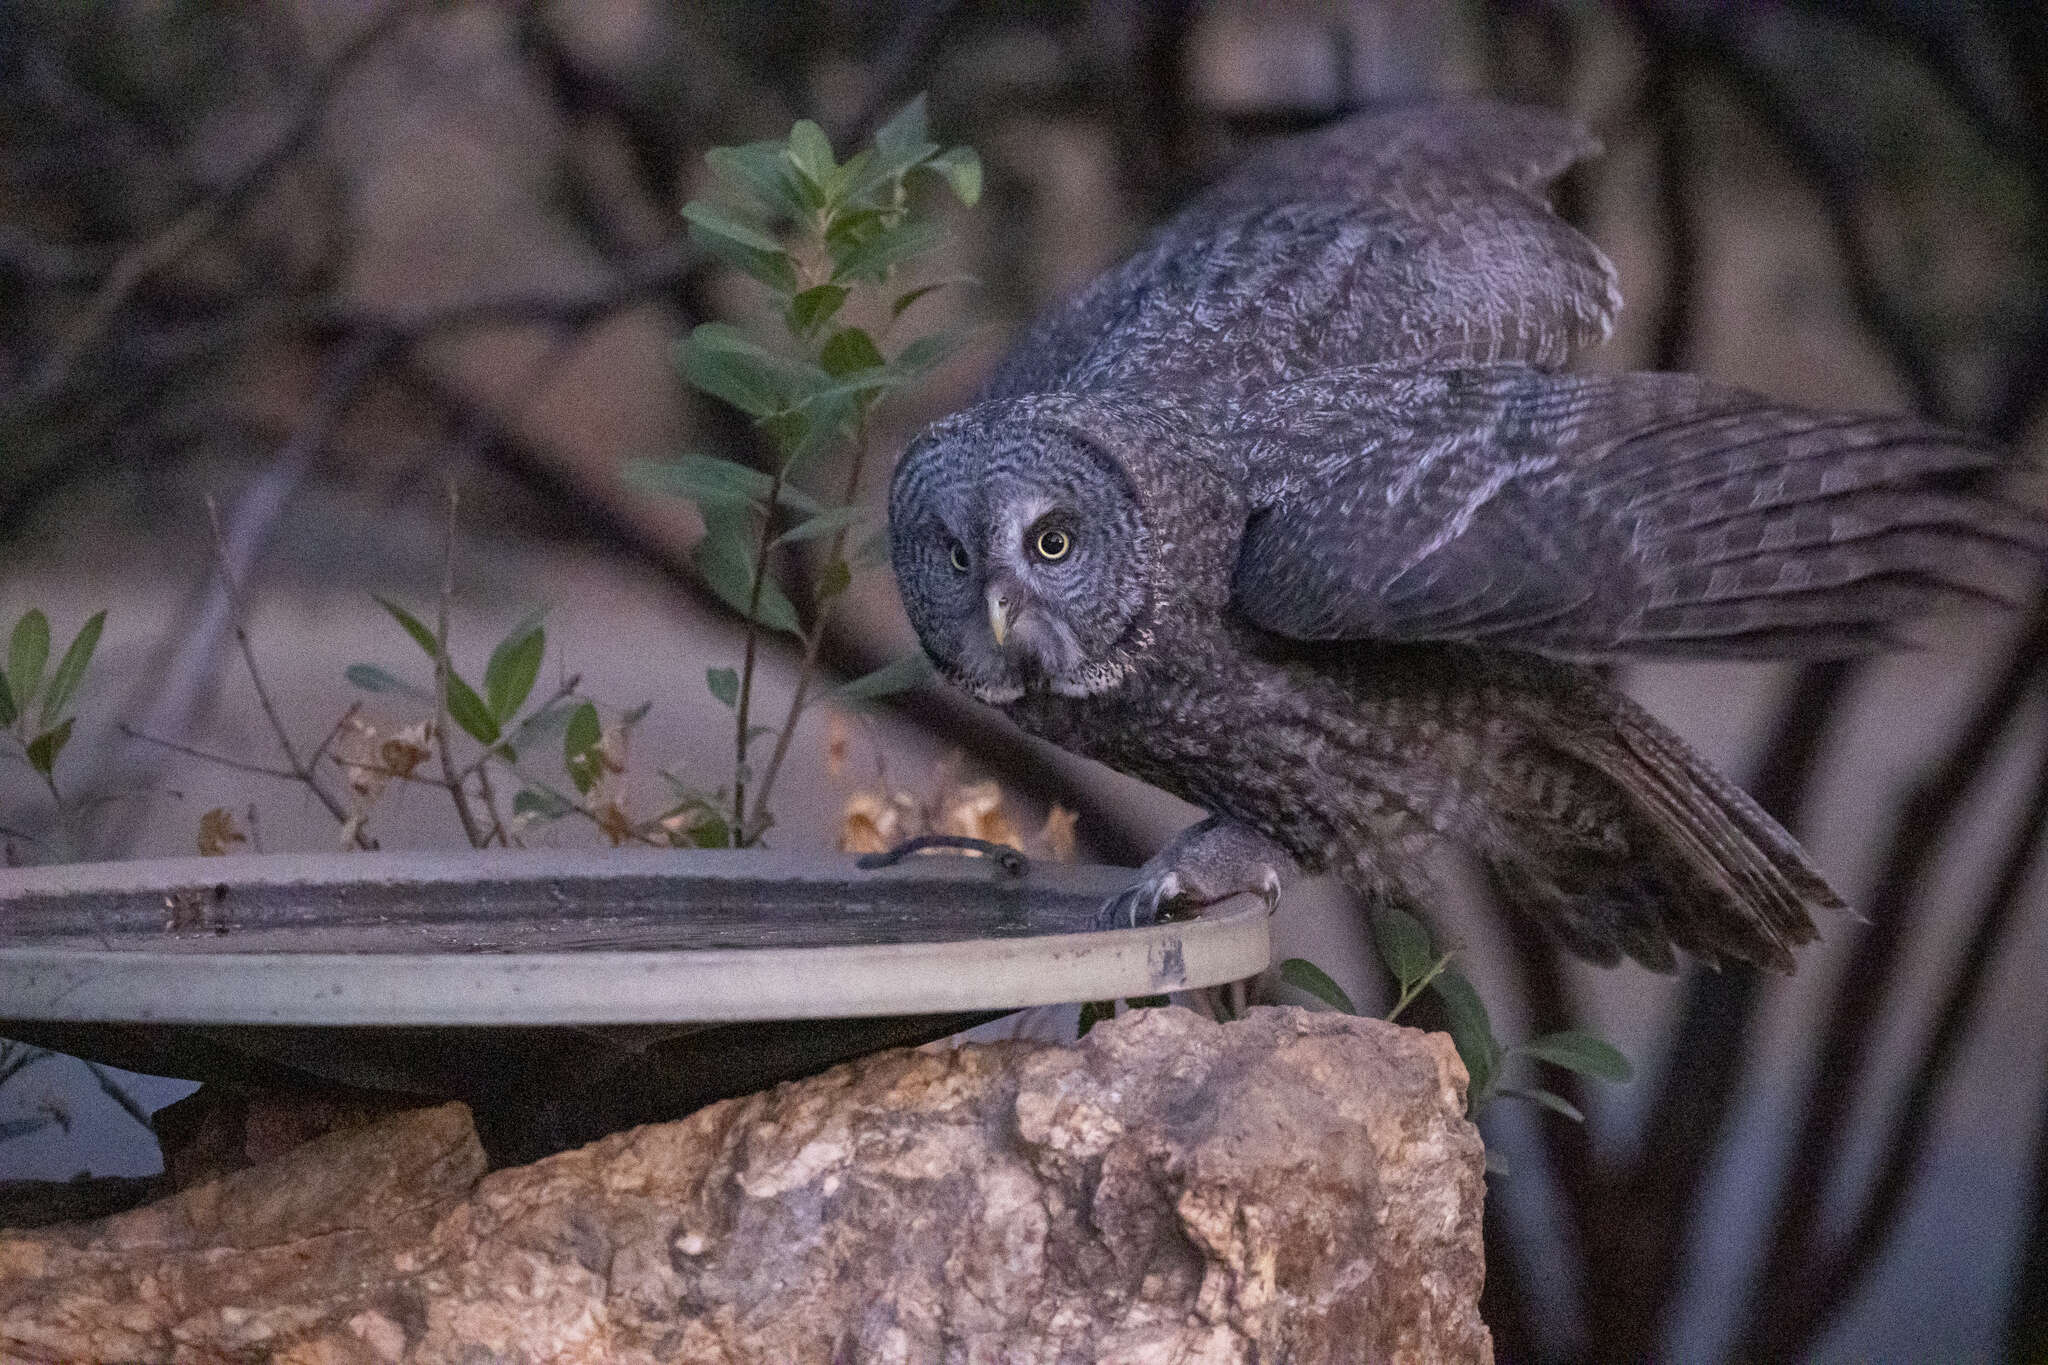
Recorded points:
1022,554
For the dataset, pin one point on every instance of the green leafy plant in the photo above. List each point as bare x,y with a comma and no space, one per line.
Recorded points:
830,243
1417,965
35,700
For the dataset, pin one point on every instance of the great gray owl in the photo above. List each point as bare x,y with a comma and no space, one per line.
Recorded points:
1292,515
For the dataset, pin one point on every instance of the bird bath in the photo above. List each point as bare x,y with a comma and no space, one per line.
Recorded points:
562,994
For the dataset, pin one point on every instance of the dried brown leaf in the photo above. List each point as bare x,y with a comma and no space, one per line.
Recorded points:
406,750
218,833
616,824
976,811
875,822
1056,839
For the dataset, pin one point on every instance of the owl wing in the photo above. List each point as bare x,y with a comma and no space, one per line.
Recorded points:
1418,236
1590,516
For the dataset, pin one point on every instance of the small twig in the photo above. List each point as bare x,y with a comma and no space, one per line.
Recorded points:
207,756
442,669
354,708
239,617
1011,860
393,774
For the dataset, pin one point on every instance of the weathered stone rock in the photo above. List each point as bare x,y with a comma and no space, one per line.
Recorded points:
1298,1187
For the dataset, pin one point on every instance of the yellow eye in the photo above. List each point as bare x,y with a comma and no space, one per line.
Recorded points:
958,557
1054,545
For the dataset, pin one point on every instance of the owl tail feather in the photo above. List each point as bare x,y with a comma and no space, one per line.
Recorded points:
1691,863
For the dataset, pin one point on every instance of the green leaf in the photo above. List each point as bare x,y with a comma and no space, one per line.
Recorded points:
920,357
961,169
707,479
543,725
824,524
874,258
514,665
898,675
903,142
724,684
1095,1012
8,710
1580,1052
719,360
1149,1002
810,151
467,709
717,222
1471,1031
851,227
814,307
908,127
1403,944
371,678
71,668
848,351
423,637
833,579
1304,975
1557,1104
908,299
44,748
580,742
762,171
27,652
711,831
726,559
540,804
741,246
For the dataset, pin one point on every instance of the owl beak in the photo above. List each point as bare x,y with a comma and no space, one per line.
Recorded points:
999,611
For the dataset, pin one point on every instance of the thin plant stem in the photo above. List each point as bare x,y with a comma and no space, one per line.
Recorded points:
807,669
470,829
1410,994
746,697
490,800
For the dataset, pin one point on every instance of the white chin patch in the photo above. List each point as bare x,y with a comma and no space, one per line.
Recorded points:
995,694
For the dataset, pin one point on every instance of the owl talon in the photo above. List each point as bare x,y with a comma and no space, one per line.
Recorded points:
1204,864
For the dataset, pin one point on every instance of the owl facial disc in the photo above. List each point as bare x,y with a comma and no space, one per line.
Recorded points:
1020,550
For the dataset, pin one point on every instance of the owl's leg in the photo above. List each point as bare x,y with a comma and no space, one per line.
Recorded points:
1205,863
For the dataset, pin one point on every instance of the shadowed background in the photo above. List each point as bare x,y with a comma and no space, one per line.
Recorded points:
314,259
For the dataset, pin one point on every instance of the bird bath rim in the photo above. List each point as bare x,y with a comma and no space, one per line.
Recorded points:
506,938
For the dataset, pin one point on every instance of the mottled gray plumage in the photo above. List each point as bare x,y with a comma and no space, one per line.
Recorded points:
1290,515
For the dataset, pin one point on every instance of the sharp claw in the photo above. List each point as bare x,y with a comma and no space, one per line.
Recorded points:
1129,909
